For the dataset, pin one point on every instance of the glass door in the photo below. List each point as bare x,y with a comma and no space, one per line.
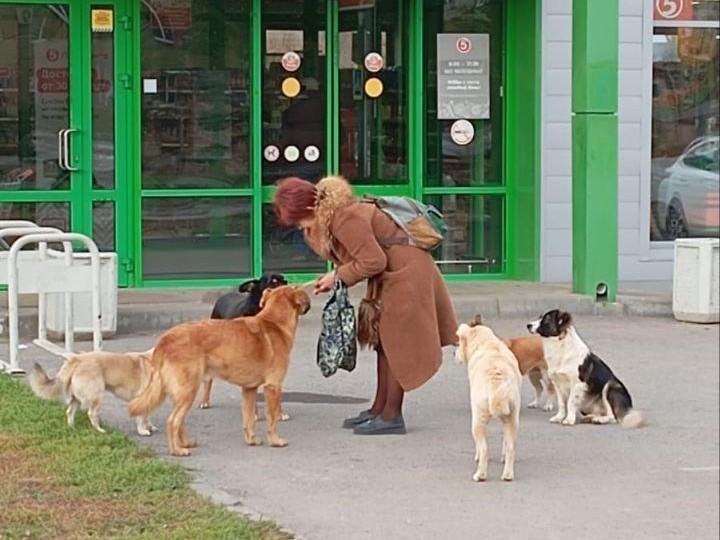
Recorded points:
38,170
59,104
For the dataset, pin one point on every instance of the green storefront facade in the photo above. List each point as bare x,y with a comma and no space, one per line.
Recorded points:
160,127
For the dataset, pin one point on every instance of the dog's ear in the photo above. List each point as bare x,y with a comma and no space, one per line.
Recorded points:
249,286
461,351
264,298
301,299
477,321
563,319
463,330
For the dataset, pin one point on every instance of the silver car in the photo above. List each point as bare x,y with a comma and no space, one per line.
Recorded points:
688,198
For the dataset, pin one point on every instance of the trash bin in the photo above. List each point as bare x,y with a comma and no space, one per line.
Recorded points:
696,280
82,302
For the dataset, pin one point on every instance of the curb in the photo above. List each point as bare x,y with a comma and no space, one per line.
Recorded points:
146,318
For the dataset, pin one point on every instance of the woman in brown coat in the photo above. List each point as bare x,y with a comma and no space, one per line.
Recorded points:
416,316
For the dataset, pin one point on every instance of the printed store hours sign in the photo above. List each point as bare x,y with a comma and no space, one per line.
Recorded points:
463,76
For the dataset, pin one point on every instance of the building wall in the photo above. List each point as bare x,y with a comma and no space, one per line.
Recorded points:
636,260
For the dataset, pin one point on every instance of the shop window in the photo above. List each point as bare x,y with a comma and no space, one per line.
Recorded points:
474,243
34,95
463,73
45,214
195,94
373,87
104,225
188,237
685,180
284,248
294,90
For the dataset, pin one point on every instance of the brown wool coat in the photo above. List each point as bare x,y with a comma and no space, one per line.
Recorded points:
417,316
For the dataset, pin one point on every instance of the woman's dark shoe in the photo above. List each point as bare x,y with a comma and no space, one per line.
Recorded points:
361,418
378,426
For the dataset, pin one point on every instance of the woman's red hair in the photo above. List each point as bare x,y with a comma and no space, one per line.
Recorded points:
294,200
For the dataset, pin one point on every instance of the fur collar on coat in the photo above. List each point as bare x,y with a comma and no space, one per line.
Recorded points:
333,193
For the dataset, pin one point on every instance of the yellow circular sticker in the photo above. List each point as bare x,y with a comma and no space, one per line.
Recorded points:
373,87
291,87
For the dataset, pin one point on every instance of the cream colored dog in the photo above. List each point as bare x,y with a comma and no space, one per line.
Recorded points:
494,391
83,379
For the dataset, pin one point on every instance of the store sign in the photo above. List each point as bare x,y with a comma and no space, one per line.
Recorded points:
101,20
291,61
462,132
290,87
271,153
374,62
673,10
463,76
374,87
292,153
312,153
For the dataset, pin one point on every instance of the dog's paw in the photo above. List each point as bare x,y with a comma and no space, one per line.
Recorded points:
479,477
508,476
144,432
549,406
204,405
556,419
278,442
253,441
284,417
180,452
569,421
533,404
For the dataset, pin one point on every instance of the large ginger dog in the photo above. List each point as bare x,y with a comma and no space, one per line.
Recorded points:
249,352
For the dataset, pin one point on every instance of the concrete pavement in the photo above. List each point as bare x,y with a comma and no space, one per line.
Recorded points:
589,482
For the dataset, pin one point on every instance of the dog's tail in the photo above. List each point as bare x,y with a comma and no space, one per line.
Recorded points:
152,394
500,397
55,388
633,420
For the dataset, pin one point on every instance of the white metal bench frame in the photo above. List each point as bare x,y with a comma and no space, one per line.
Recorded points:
67,279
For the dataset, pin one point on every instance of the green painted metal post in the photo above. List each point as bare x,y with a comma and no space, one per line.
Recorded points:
595,149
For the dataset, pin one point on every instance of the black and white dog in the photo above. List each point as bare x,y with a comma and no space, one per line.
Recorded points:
586,387
243,303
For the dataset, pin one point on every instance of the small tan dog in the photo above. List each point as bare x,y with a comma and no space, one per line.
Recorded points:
83,379
248,352
494,391
528,351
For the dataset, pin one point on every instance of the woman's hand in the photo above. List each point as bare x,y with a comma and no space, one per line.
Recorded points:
325,283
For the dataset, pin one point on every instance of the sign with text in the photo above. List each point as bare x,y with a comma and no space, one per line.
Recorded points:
673,10
463,76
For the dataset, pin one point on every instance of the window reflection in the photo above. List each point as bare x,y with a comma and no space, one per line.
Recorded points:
195,84
685,171
294,90
34,90
373,132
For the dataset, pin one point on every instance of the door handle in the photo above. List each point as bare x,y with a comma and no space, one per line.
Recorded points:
60,135
66,151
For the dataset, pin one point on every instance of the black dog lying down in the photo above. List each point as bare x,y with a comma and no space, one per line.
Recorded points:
243,303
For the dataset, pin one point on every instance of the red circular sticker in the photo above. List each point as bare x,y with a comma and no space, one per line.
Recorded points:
291,61
463,45
374,62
